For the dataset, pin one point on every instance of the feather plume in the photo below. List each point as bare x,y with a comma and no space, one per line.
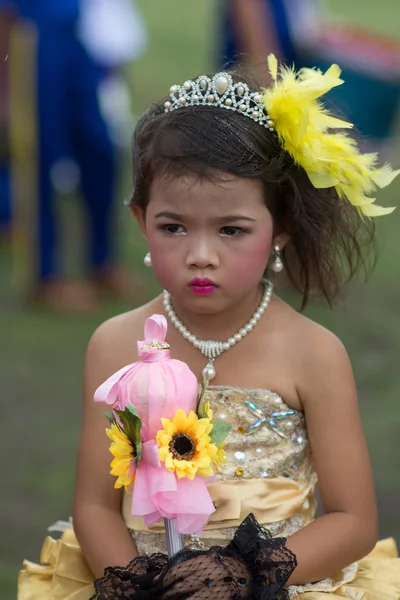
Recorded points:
303,124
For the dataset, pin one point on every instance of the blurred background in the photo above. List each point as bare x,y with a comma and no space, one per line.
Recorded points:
71,88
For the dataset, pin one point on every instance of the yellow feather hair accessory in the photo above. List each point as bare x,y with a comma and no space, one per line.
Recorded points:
329,159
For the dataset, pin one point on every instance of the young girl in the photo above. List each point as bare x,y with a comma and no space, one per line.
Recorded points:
233,183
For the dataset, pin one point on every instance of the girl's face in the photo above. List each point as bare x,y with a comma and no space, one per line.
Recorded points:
209,241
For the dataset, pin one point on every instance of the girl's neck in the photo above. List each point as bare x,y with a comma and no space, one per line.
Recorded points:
221,325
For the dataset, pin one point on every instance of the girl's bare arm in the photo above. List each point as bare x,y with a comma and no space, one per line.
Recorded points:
348,530
98,523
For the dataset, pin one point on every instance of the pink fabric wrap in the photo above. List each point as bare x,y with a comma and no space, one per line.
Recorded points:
158,386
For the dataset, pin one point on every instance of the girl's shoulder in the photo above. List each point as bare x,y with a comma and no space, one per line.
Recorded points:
315,354
299,331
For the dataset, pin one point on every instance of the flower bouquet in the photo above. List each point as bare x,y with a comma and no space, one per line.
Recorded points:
165,445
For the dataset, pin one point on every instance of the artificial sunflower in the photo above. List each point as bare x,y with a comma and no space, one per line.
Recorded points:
185,445
123,465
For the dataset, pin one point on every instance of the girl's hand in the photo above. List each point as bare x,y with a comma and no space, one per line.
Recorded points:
204,577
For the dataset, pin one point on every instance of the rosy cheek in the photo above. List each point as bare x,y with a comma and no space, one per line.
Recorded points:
165,270
250,264
164,262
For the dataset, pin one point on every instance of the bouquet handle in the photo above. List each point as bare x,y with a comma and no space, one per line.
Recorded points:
174,538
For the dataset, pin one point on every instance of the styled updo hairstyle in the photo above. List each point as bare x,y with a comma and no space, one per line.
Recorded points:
329,239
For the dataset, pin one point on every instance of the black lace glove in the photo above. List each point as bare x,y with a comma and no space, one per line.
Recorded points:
137,580
253,566
206,575
269,562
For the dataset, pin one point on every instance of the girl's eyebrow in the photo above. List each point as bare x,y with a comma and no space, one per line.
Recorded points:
230,218
168,215
233,218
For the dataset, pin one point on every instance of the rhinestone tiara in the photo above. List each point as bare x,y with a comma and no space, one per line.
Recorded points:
222,92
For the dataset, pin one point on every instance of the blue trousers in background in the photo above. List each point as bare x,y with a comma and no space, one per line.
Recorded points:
70,125
5,202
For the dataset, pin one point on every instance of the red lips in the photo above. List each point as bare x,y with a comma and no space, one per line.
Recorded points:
202,286
201,281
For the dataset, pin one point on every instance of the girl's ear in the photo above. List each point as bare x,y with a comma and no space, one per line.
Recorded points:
281,239
140,218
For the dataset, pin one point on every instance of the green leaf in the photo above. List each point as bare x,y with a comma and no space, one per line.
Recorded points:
201,413
138,452
219,432
200,409
132,409
110,416
132,425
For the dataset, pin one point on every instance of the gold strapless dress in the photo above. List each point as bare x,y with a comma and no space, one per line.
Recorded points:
270,473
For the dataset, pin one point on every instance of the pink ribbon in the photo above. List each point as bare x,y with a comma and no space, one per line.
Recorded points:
158,493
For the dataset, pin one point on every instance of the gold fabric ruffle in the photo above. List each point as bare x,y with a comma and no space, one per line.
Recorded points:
376,577
68,577
270,500
63,573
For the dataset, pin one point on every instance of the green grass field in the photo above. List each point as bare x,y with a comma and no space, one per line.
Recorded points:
42,355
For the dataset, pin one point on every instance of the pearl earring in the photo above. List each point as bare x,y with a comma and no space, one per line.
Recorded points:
277,265
147,260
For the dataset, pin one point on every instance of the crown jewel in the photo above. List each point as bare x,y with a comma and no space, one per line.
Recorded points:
222,92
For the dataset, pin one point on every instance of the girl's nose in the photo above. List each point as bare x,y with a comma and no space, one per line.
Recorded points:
202,254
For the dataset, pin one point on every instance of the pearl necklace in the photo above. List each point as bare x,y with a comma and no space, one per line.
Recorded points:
210,348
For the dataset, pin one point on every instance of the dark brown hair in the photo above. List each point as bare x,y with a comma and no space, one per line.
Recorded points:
329,240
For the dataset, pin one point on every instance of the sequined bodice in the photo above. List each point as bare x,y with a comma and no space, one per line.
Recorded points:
268,438
269,470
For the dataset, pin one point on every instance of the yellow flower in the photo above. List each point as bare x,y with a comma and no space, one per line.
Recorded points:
307,131
220,459
208,411
185,445
122,465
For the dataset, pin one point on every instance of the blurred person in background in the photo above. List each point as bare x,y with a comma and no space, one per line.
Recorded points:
370,61
6,22
304,32
60,138
115,35
253,29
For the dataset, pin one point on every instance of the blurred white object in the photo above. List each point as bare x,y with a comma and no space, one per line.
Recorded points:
65,175
60,526
115,106
304,17
112,31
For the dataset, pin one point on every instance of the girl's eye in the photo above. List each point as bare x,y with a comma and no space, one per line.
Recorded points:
173,228
230,231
